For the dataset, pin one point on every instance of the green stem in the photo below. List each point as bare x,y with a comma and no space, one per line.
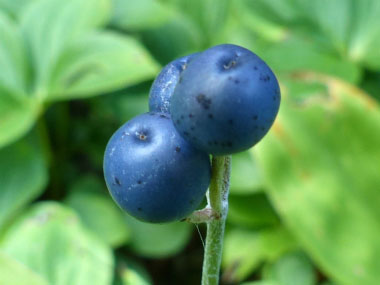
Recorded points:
218,201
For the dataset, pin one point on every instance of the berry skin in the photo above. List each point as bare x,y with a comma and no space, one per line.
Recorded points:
163,86
152,172
226,100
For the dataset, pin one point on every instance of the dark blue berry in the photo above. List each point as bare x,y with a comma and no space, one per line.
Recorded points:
163,86
233,98
152,172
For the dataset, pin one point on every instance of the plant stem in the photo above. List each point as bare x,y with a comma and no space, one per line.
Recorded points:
218,201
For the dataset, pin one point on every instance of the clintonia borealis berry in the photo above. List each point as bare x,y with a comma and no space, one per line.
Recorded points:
221,101
226,100
152,172
164,84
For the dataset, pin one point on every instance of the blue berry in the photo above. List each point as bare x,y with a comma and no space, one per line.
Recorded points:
226,100
164,84
152,172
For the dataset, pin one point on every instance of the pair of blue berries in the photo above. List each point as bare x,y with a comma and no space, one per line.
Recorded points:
220,101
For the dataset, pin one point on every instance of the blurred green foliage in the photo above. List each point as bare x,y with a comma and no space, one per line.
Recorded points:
304,205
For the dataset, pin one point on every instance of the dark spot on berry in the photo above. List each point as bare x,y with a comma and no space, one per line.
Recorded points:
185,133
190,115
216,143
262,128
237,81
204,101
255,127
182,117
210,116
277,91
274,98
139,209
152,114
229,144
264,78
209,142
254,117
178,121
117,181
177,149
163,116
255,67
231,122
192,128
139,182
195,138
191,202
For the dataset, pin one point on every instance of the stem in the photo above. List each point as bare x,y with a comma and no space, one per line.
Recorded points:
218,202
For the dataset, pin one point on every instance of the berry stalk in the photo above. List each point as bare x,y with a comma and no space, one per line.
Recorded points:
218,201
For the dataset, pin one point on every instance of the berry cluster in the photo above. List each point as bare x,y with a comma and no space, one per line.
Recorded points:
220,101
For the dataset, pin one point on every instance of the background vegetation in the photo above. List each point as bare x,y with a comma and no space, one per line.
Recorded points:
304,206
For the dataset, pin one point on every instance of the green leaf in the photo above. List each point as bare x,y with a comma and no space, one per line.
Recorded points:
13,61
50,25
259,283
23,176
158,240
245,176
179,30
100,62
110,225
209,15
138,15
129,272
13,272
14,7
347,28
17,115
244,250
321,163
50,240
297,54
253,211
294,268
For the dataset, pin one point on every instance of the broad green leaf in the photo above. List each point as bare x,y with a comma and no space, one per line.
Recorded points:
14,7
293,268
50,240
13,61
17,115
109,225
348,28
129,272
23,176
297,54
321,163
253,211
245,176
244,250
179,30
139,15
50,25
209,15
100,62
13,272
351,26
158,240
260,283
